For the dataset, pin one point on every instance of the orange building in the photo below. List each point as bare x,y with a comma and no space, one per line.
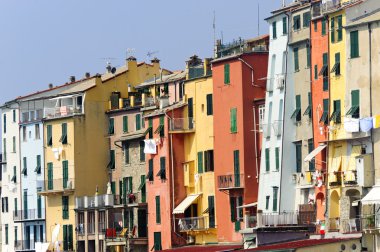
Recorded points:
239,84
319,31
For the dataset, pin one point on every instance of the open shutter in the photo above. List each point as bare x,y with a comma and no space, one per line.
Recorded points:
267,160
65,240
200,162
125,123
233,208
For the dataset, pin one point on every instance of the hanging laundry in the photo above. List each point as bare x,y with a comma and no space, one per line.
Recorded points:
366,124
376,121
150,146
351,125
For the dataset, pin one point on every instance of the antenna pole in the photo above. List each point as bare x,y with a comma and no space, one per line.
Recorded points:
213,26
258,19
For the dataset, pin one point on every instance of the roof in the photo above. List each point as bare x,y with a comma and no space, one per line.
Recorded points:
233,56
166,109
300,244
369,18
257,38
373,197
119,70
164,79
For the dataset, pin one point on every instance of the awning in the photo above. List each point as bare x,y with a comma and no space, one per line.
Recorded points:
315,152
180,209
248,205
373,197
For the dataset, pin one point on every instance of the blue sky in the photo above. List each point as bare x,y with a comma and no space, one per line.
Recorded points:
45,41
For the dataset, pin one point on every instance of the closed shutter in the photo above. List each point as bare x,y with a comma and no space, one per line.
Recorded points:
142,154
150,124
39,205
277,154
158,210
315,72
354,98
284,26
209,104
162,168
50,176
111,129
157,241
200,162
332,30
275,192
308,56
240,203
325,74
233,208
267,159
65,240
38,168
340,35
125,123
65,167
126,152
233,120
227,74
25,206
49,137
150,173
310,149
274,30
138,122
113,187
354,44
323,26
211,211
64,133
237,168
70,237
143,189
299,157
296,60
130,185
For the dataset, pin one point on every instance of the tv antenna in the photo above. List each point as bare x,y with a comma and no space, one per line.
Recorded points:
150,53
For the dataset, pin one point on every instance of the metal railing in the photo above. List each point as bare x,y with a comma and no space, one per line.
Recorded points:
335,178
29,214
277,219
192,223
62,111
277,127
371,222
58,185
231,181
24,244
150,101
94,201
182,124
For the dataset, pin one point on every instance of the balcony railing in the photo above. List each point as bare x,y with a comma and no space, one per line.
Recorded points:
62,111
29,214
277,127
150,101
371,222
231,181
58,185
352,225
277,219
350,178
94,201
24,245
182,124
335,178
334,224
32,115
191,224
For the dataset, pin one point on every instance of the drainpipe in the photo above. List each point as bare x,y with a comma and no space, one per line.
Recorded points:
252,72
370,91
255,134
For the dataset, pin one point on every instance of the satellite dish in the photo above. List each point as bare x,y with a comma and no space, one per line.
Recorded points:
113,70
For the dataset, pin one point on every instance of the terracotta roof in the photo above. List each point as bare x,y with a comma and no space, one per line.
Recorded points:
164,79
166,109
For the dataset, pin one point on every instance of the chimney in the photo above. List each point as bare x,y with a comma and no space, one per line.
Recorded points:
132,65
72,78
156,65
50,85
87,75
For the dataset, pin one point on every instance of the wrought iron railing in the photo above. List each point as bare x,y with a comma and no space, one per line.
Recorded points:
28,214
182,124
231,181
192,223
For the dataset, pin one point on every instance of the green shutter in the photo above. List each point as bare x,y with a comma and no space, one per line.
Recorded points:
267,159
64,133
70,238
65,168
236,168
311,148
355,98
267,202
111,128
274,30
39,205
284,26
158,210
308,56
296,60
25,168
323,27
125,191
142,154
299,157
16,208
143,189
227,74
130,184
332,30
298,102
125,124
275,191
340,35
233,120
126,152
49,137
162,168
65,242
14,144
233,208
200,162
150,125
6,233
157,241
277,153
65,207
38,168
306,19
209,104
211,211
162,126
354,44
113,187
240,203
50,176
325,74
138,121
315,26
150,174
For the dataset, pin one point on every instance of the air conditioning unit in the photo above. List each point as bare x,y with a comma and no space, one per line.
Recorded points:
281,82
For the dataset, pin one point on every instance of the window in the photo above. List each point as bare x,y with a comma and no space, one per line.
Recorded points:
236,168
306,19
190,112
296,22
16,208
4,204
14,115
67,237
125,124
38,167
157,241
158,210
275,192
50,176
308,56
335,116
39,204
336,67
65,173
150,172
113,187
323,27
297,112
25,206
138,121
277,154
111,126
296,60
324,72
267,159
126,152
310,144
324,117
6,234
227,74
162,172
209,104
354,44
274,30
49,137
14,144
200,162
150,128
315,26
233,120
37,134
299,156
166,88
308,111
111,164
267,202
24,167
4,149
284,26
65,207
142,154
211,211
24,136
339,30
233,208
181,90
5,123
209,160
14,178
261,116
332,28
315,72
354,111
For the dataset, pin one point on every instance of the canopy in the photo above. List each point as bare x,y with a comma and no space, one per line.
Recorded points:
373,197
248,205
315,152
180,209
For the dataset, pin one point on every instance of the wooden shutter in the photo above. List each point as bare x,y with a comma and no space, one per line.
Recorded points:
275,191
65,168
209,104
332,28
211,211
323,26
64,133
274,30
49,138
233,120
233,208
200,162
277,154
227,74
267,159
284,26
125,123
340,35
138,121
50,176
298,102
355,98
354,43
296,60
142,154
237,168
158,210
126,152
70,237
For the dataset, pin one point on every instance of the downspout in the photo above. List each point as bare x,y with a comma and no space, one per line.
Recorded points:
252,71
255,134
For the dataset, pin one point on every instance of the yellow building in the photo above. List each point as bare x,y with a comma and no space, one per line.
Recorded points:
75,123
199,220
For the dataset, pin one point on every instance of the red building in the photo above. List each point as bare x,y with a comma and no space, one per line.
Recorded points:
320,98
239,88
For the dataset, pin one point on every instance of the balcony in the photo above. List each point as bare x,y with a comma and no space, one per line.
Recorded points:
97,201
182,125
335,178
228,182
277,219
24,245
33,115
57,186
370,223
150,101
63,111
277,127
192,224
334,224
28,214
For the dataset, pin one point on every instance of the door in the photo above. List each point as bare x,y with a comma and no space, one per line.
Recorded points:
157,241
142,222
27,236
